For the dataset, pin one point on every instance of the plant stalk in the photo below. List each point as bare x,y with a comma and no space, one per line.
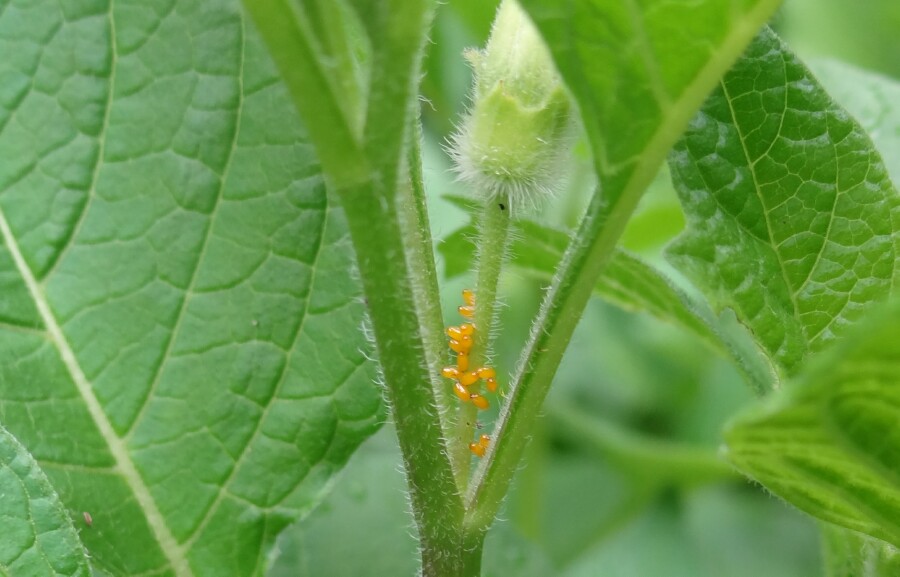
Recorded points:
666,462
493,225
365,172
588,253
420,251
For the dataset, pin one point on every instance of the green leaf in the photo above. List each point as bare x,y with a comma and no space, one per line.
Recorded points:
872,99
180,335
38,535
830,444
849,554
658,218
633,284
792,217
635,68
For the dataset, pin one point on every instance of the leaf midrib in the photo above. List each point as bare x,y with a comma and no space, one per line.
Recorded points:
117,448
751,166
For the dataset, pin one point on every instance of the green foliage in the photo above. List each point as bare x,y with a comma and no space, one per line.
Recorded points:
338,538
38,535
180,339
873,102
206,214
635,102
627,281
714,532
633,107
797,200
849,554
829,444
805,223
863,33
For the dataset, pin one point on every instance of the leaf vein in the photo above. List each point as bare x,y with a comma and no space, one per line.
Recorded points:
190,291
101,152
756,187
117,447
257,431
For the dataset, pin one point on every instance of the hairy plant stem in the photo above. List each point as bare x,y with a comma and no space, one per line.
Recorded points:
433,492
588,253
462,561
493,225
420,251
363,167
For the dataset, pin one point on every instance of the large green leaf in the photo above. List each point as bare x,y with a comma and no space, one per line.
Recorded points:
38,536
831,443
792,217
179,330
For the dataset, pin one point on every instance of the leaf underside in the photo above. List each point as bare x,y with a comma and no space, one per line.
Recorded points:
831,444
179,331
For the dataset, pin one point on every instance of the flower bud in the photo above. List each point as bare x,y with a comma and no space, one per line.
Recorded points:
513,140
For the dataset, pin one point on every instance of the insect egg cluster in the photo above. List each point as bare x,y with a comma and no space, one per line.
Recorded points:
465,384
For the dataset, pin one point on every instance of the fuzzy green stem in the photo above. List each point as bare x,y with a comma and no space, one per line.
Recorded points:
473,545
466,418
588,253
425,284
364,171
531,485
400,346
493,227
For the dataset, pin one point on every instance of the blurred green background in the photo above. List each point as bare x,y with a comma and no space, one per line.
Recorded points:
621,478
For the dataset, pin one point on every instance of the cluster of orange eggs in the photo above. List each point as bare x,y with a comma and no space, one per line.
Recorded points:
465,380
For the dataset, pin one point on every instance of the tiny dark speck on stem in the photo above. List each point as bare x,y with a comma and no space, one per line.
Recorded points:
502,206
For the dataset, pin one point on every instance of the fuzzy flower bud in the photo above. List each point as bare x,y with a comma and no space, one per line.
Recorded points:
518,130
